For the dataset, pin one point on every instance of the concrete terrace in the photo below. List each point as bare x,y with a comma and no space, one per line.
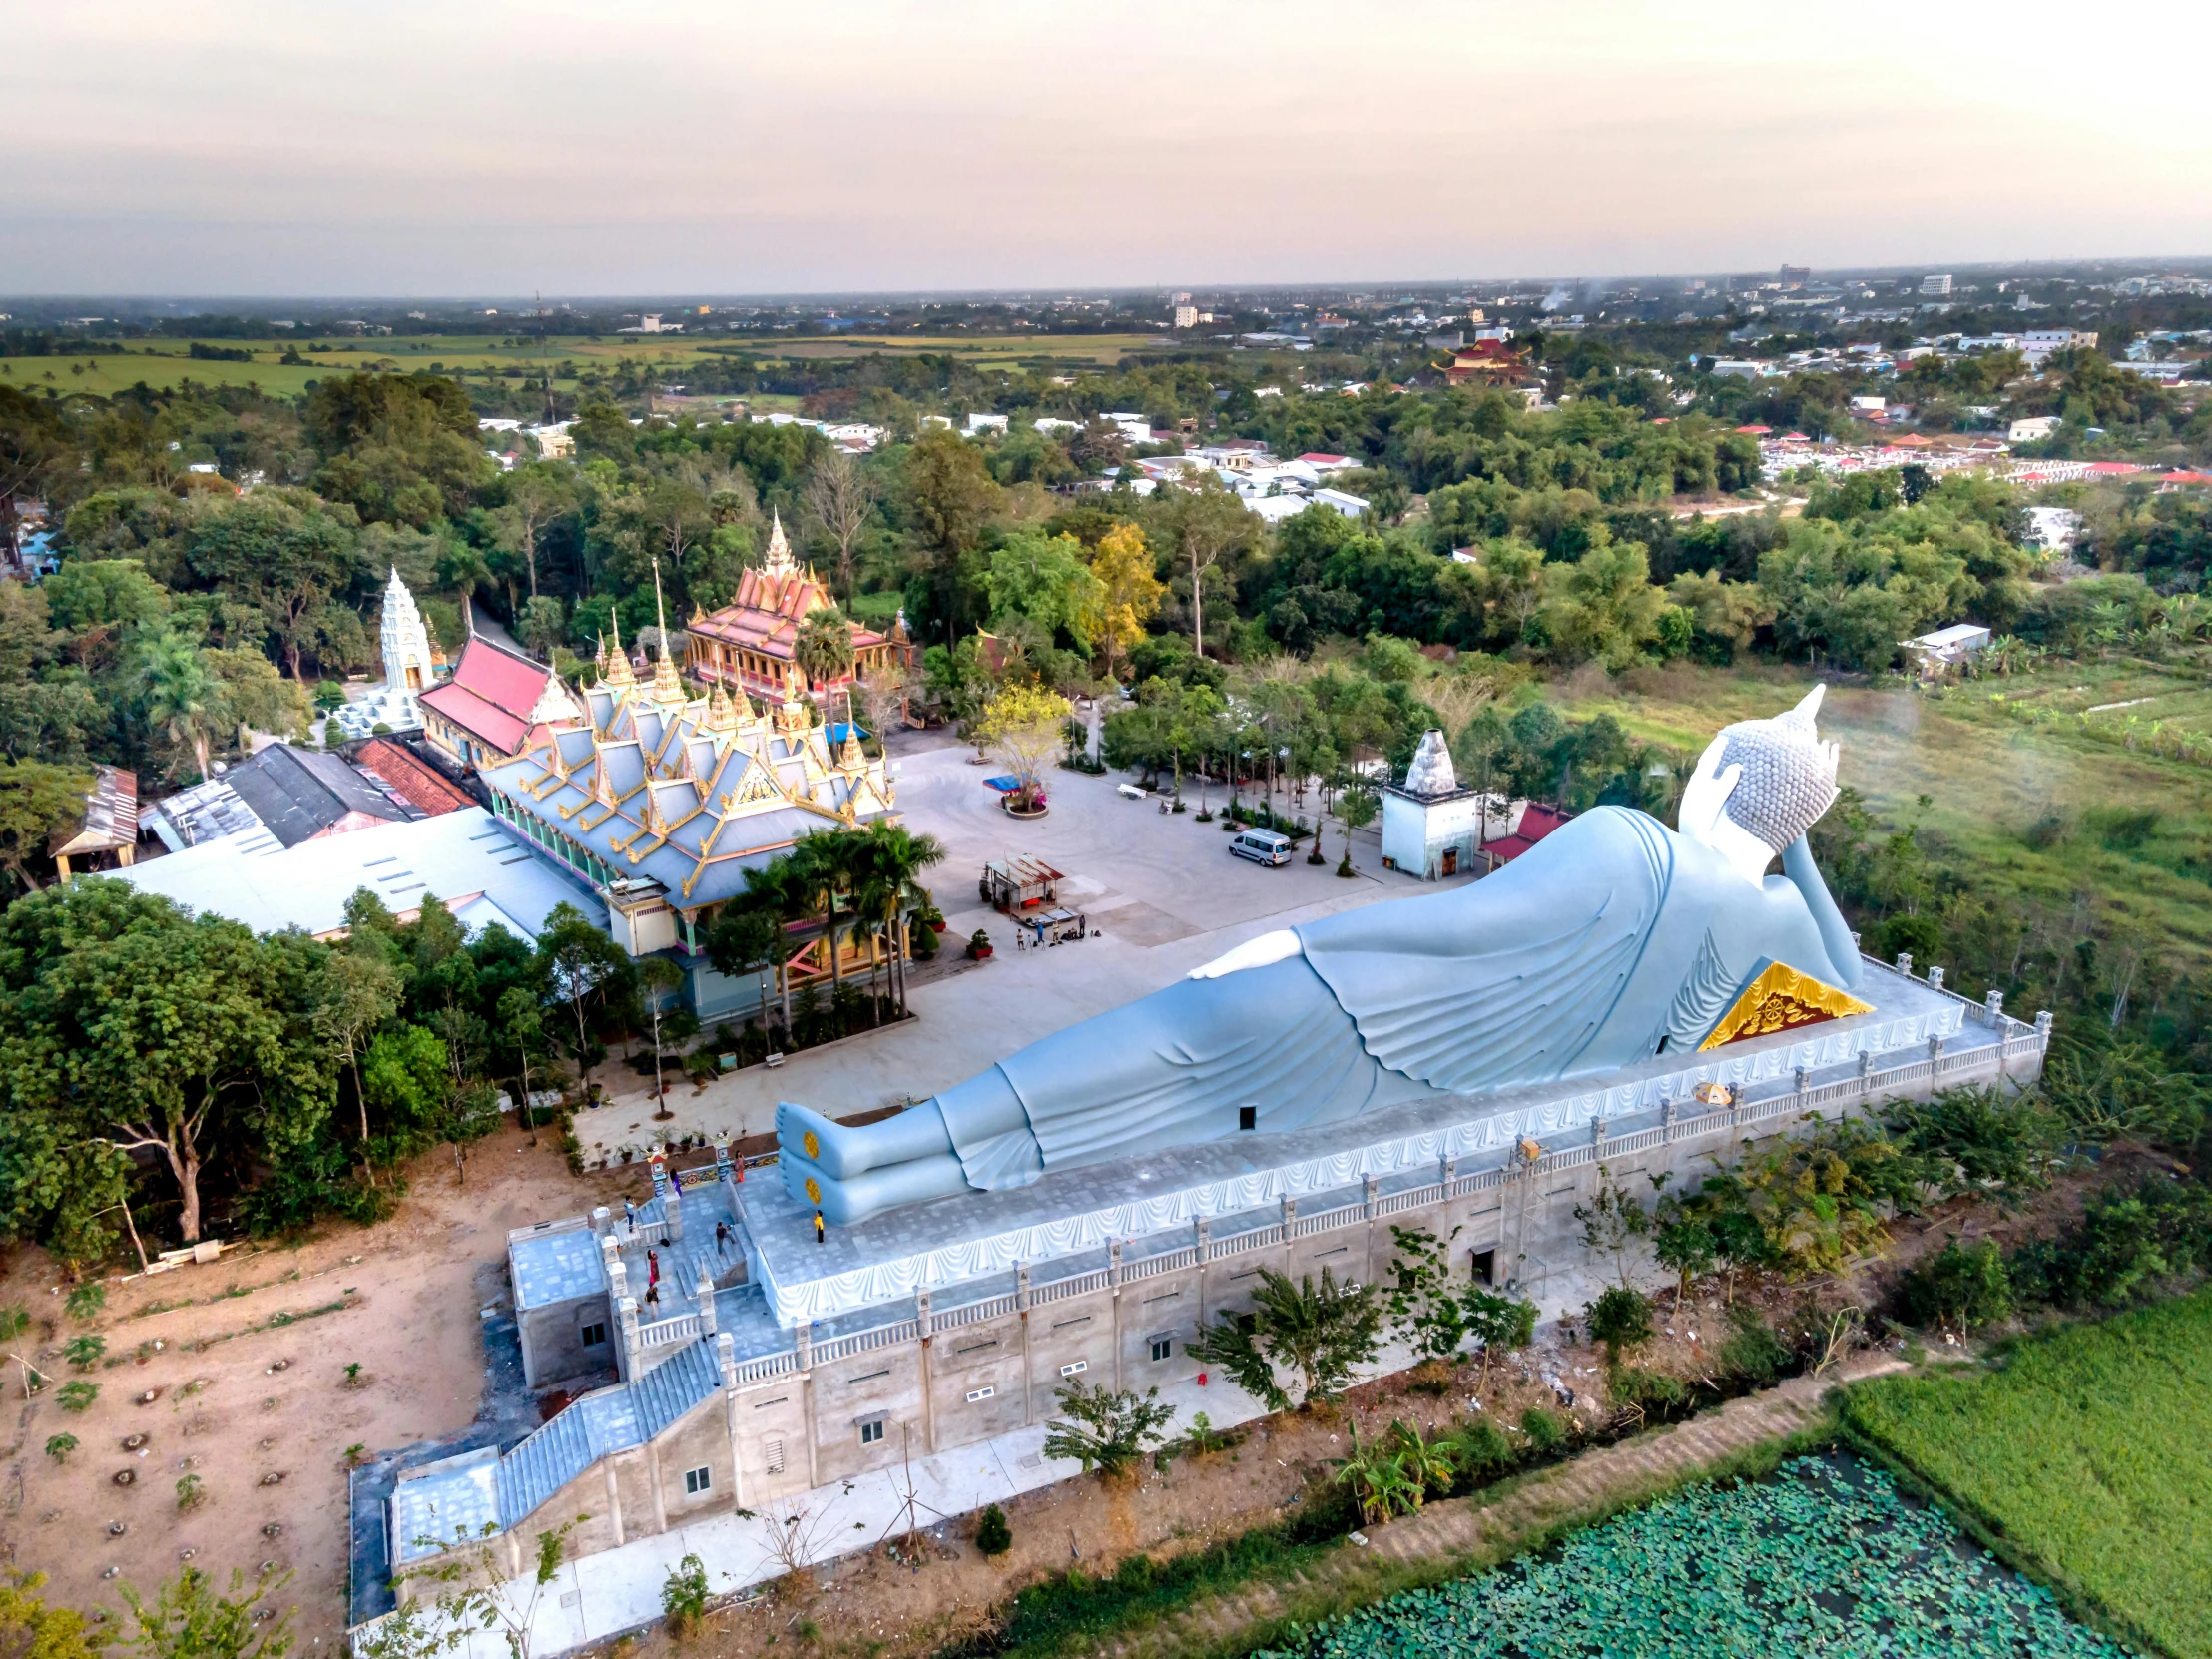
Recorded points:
1919,1036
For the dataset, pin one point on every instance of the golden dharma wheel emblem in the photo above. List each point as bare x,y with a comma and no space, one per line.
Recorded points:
813,1146
814,1191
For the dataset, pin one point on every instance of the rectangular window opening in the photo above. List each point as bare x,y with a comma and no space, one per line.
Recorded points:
975,1394
1163,1348
871,1432
773,1454
696,1481
1079,1366
1248,1117
594,1336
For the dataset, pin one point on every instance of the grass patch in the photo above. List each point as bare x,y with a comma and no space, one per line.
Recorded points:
274,1322
2085,1455
2020,806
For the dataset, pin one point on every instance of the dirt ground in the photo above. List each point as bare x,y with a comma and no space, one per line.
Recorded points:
246,1359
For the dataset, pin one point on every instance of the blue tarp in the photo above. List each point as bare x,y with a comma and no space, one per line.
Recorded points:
1004,785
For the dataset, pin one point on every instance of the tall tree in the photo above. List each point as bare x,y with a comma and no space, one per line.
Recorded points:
360,991
580,963
1209,522
139,1027
183,699
841,495
1129,591
538,493
895,857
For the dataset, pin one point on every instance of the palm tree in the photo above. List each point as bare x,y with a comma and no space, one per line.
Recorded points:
183,695
895,856
821,867
776,894
824,647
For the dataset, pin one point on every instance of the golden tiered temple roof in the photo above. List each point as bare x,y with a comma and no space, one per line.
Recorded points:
653,784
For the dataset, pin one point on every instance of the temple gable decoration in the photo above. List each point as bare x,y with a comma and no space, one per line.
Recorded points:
1779,998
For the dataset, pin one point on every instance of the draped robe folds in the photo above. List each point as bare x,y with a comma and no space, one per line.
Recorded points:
1613,937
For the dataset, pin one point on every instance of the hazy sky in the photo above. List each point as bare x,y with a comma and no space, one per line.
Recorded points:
390,147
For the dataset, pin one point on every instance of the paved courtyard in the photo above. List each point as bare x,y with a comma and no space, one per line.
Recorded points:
1162,888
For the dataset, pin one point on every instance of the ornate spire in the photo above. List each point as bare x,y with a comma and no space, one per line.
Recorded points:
405,641
851,759
618,674
720,715
667,688
779,562
795,715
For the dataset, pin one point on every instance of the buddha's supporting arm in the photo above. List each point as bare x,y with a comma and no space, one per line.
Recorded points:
1805,876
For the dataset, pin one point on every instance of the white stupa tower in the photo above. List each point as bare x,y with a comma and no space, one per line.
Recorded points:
408,670
407,642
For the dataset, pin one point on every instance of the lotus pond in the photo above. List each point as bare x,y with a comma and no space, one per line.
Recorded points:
1824,1558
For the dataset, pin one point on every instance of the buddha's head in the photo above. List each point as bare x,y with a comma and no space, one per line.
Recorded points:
1760,785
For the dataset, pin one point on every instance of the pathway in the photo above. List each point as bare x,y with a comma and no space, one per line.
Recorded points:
1477,1530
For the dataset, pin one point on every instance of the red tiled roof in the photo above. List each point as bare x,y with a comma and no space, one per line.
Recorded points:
491,694
765,613
1536,822
1754,430
1314,457
409,778
2186,478
2112,468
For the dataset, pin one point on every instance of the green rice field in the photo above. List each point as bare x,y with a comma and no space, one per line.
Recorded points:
2089,1450
165,362
2022,804
1824,1558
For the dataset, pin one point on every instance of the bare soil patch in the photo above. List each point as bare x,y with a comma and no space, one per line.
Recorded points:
246,1362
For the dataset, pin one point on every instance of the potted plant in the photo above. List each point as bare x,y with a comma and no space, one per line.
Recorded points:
979,945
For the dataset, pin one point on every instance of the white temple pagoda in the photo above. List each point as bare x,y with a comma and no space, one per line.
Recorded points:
408,671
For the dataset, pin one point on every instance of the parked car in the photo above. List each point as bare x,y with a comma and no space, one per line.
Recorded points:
1261,847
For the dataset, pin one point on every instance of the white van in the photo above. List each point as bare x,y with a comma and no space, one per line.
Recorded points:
1261,847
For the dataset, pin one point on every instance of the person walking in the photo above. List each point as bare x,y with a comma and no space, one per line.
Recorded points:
818,1230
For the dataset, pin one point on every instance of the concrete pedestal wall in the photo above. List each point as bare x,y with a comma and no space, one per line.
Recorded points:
941,1380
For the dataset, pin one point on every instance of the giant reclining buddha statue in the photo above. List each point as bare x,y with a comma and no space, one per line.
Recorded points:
1612,940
